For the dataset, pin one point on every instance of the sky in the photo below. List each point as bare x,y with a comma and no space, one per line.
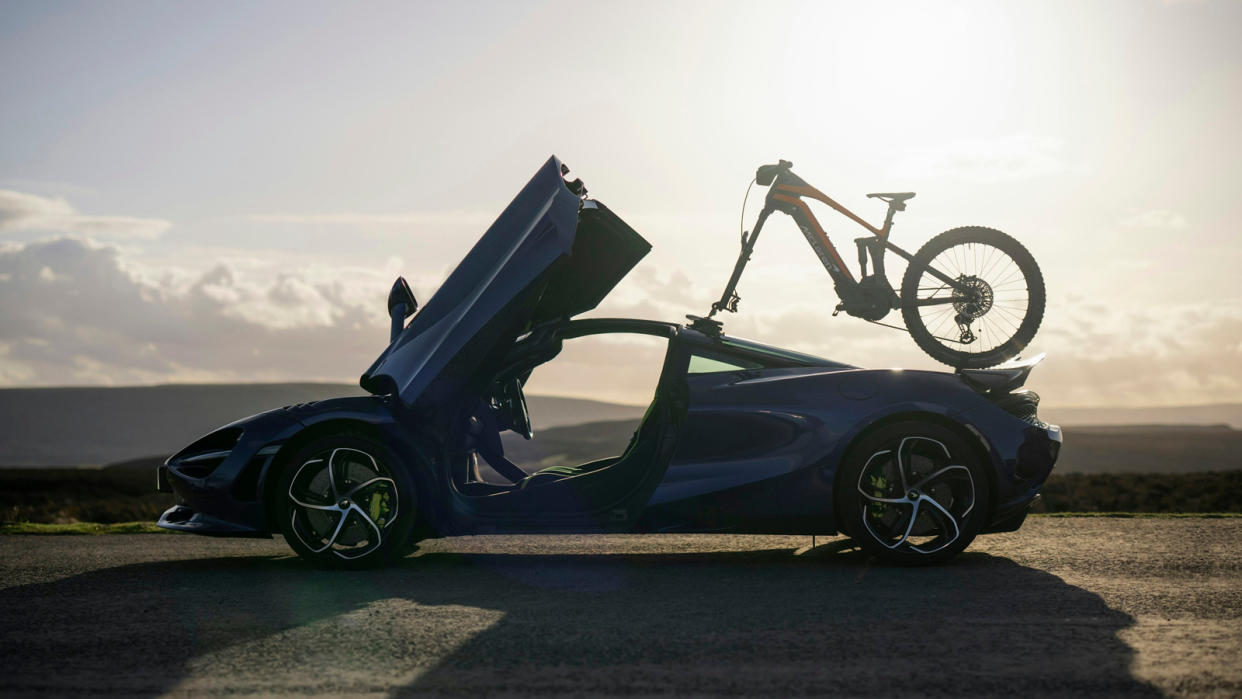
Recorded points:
200,192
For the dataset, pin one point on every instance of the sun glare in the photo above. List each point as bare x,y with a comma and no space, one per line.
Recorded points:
916,71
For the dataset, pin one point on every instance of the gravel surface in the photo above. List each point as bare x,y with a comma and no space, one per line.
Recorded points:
1066,607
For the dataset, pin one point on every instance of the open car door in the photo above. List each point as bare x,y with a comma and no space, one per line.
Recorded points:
550,255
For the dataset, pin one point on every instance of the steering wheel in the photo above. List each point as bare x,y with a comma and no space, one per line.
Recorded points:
520,414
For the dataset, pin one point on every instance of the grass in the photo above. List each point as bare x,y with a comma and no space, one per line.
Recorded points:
1201,492
1166,515
81,528
114,495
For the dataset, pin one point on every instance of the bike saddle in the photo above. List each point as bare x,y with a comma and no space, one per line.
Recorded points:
897,200
898,197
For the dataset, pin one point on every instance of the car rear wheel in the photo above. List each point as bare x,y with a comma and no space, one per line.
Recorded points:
346,501
912,493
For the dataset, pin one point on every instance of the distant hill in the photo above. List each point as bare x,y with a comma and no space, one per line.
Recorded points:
92,426
569,445
1150,449
1216,413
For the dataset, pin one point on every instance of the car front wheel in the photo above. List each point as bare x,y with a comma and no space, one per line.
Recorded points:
346,501
912,493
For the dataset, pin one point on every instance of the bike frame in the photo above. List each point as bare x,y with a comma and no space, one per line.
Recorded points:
785,195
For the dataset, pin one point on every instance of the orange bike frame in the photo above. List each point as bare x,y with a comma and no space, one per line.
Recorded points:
789,195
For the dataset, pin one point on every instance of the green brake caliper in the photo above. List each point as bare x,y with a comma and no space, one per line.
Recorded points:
880,485
379,508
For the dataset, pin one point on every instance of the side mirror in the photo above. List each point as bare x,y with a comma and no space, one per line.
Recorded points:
401,305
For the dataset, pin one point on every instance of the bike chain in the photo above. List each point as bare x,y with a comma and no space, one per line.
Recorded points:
907,331
894,327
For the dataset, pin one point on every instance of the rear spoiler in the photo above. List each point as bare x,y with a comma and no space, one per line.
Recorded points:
1002,378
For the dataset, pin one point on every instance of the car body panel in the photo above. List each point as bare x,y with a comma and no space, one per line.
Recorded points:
228,501
752,430
736,434
757,453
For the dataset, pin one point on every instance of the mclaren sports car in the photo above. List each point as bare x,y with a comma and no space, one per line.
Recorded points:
739,436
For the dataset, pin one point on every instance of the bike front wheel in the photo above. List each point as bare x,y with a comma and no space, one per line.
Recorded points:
991,311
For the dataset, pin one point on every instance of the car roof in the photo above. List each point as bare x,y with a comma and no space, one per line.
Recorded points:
752,347
593,326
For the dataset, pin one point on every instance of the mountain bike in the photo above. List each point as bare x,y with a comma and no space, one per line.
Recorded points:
971,297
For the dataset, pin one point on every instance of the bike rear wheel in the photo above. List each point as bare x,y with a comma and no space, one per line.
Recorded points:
993,313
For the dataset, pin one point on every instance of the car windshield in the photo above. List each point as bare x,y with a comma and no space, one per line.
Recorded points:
786,355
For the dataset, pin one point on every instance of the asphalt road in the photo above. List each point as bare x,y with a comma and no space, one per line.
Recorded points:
1067,607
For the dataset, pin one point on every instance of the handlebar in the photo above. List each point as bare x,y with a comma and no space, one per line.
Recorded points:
766,173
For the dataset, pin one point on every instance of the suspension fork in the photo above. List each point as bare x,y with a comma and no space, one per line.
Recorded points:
729,298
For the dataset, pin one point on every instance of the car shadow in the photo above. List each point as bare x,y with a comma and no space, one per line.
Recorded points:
740,622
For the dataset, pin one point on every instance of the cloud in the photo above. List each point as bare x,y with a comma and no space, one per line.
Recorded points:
1156,219
70,313
987,160
77,312
1161,355
427,218
20,211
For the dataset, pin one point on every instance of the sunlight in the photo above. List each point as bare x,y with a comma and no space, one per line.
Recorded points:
898,74
438,631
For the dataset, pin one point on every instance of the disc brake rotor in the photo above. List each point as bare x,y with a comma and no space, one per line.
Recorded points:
972,300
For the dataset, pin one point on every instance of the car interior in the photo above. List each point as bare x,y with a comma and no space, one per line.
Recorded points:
564,486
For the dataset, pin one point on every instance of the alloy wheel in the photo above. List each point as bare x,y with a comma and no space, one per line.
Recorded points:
342,500
915,497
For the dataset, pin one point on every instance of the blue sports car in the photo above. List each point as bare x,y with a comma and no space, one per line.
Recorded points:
739,437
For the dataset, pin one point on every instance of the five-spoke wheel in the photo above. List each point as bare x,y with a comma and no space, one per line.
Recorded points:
912,493
346,502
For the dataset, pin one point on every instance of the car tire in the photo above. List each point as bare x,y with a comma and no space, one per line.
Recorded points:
912,493
346,501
